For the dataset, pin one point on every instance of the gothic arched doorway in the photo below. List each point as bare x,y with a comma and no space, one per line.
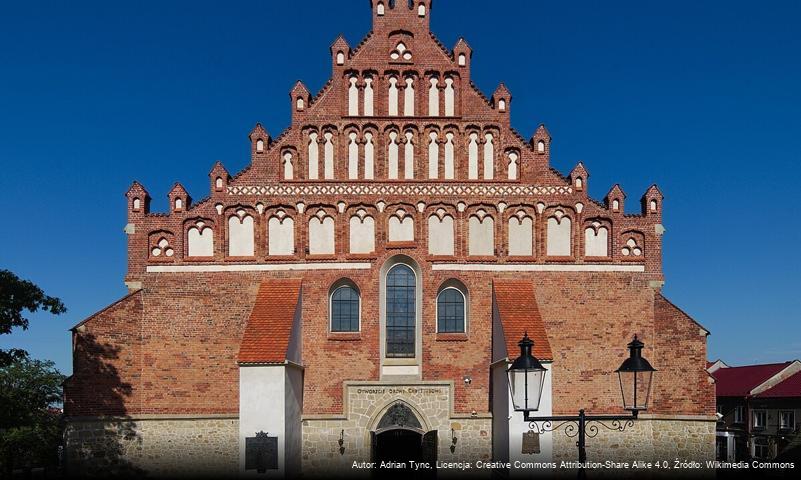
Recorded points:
400,437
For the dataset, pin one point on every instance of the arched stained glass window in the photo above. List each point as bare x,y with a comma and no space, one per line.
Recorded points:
345,309
450,311
401,312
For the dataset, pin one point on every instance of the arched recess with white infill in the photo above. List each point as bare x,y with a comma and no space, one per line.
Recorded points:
280,234
441,233
362,232
401,226
241,234
199,239
559,241
596,238
521,233
481,233
321,233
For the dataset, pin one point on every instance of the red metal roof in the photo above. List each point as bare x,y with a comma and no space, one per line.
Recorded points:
789,387
739,381
520,314
269,327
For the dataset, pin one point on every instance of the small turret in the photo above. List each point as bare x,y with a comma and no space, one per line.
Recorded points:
219,177
300,98
502,99
651,202
138,200
578,177
340,53
462,53
541,141
179,199
614,199
259,140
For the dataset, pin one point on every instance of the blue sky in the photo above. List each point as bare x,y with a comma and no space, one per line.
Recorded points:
702,98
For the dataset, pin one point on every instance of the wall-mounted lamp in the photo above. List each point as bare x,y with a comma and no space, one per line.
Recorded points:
341,442
467,380
453,440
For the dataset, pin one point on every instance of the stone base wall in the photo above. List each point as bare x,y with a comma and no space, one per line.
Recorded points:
159,447
322,455
647,440
365,404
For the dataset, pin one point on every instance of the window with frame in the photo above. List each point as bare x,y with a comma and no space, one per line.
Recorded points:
739,414
345,306
761,447
401,312
451,311
787,420
760,418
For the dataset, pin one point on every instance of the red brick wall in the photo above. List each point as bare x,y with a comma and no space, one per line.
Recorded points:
682,384
177,340
106,365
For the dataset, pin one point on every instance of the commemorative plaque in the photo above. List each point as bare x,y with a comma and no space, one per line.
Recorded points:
261,452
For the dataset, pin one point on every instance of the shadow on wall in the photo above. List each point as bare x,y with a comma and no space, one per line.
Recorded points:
95,446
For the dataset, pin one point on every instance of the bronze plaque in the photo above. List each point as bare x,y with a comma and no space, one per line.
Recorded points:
261,453
531,442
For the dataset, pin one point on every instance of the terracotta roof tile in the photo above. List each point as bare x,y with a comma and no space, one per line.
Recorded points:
519,313
790,387
269,327
739,381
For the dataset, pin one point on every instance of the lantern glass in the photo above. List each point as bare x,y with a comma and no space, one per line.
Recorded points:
525,385
635,375
636,388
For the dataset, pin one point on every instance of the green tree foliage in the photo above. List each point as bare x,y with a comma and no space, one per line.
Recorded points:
30,430
17,295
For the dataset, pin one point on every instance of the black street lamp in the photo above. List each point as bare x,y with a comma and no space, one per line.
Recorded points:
527,378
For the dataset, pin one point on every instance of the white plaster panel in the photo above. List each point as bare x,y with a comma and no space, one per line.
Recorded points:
408,98
313,154
558,236
241,236
596,244
353,97
521,236
408,157
433,98
328,153
321,236
440,235
368,97
472,157
489,157
482,236
401,230
392,154
281,236
200,243
362,235
433,156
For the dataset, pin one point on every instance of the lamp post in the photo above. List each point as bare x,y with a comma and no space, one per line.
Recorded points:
527,378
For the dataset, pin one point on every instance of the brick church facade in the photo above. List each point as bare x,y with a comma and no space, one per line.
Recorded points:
362,285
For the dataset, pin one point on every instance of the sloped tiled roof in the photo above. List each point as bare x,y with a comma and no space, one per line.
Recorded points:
739,381
790,387
520,314
269,326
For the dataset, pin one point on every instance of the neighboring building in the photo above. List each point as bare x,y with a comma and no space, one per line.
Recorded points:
758,409
358,290
712,366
